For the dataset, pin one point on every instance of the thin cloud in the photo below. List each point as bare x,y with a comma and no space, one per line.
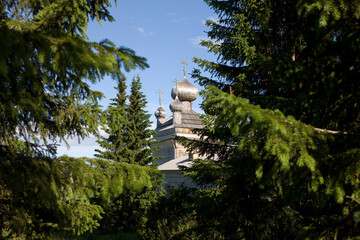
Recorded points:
143,31
179,20
176,18
171,14
197,40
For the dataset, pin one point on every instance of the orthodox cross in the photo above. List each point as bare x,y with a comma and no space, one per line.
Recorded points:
185,63
176,87
160,92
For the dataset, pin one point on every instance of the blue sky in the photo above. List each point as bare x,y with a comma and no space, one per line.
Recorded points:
165,32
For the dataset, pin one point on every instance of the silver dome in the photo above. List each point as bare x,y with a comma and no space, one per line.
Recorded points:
160,113
186,91
176,105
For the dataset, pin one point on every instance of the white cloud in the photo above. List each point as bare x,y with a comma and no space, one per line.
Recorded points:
143,31
196,40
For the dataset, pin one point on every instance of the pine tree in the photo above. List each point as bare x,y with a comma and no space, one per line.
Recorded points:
46,63
286,141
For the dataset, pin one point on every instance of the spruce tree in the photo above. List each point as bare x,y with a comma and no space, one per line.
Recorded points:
140,137
130,139
286,142
115,145
46,65
128,125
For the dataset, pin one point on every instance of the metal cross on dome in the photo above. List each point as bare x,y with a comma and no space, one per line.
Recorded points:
185,63
160,92
176,87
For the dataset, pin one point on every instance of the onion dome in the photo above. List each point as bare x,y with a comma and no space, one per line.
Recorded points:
160,113
186,91
176,105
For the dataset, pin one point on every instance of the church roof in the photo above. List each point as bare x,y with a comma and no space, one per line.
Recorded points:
191,119
181,123
173,165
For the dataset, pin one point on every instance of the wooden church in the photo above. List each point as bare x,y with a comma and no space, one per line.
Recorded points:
181,123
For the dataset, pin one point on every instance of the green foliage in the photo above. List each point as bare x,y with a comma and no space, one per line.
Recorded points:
278,55
286,143
128,125
45,62
266,135
115,145
129,140
46,65
117,236
297,178
171,216
141,138
129,212
63,197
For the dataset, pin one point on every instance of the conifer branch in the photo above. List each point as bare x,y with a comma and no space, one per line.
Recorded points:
322,129
352,198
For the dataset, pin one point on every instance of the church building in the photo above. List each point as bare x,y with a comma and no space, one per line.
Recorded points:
181,123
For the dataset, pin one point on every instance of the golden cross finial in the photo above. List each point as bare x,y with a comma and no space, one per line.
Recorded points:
176,87
185,63
160,92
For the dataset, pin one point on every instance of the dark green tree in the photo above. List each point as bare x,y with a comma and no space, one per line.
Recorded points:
295,56
115,145
287,140
130,139
46,198
140,137
46,65
128,125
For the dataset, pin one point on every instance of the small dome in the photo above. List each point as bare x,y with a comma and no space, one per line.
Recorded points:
160,113
186,91
176,105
